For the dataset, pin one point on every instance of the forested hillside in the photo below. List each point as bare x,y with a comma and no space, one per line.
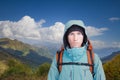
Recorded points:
12,69
112,68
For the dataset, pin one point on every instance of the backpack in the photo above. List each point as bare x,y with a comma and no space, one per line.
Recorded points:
90,56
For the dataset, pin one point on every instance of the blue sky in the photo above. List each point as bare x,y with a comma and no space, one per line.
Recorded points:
102,18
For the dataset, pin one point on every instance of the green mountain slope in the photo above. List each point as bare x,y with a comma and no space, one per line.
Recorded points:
109,57
20,46
15,45
112,68
4,61
24,52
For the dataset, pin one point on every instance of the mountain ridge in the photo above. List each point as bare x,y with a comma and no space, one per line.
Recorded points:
109,57
24,52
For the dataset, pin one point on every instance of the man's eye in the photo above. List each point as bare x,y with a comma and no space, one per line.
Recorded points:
71,34
79,33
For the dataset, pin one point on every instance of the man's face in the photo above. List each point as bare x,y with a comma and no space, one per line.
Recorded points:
75,39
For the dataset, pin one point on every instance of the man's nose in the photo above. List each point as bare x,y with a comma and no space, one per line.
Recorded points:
75,37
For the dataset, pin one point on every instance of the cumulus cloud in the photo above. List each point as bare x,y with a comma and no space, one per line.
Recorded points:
24,28
53,33
93,31
28,28
114,19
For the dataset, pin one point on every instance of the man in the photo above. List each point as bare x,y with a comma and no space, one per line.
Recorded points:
75,63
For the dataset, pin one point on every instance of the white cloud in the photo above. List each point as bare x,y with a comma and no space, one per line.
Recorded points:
97,44
24,28
53,33
114,19
116,44
6,31
92,31
27,28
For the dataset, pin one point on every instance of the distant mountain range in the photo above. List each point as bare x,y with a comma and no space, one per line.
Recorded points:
26,53
110,57
105,51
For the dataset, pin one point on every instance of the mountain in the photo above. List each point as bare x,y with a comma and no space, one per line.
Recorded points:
109,57
24,52
53,47
3,61
112,68
105,51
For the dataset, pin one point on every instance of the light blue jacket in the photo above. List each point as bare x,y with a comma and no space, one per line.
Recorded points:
76,72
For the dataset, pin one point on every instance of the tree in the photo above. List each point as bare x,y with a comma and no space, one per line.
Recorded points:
43,69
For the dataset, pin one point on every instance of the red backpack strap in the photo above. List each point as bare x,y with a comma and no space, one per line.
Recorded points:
59,56
90,56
